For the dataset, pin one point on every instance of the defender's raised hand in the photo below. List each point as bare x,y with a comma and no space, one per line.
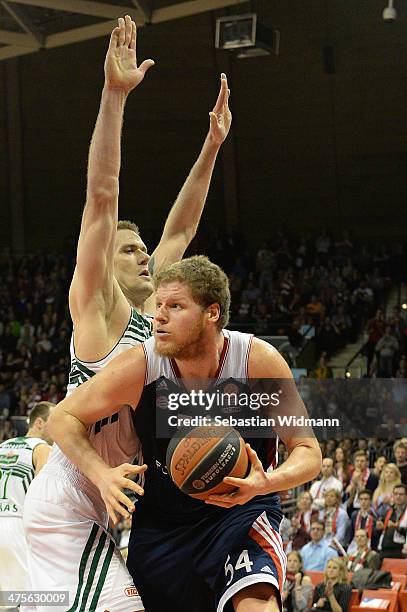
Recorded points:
121,70
220,116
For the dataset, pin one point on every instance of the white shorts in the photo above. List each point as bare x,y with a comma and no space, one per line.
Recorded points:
13,555
70,550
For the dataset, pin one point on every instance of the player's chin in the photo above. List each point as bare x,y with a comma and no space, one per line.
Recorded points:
164,346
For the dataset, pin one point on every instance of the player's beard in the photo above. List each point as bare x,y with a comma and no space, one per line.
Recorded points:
190,347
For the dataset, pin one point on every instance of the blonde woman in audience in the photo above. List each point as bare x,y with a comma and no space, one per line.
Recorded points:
297,588
389,478
333,595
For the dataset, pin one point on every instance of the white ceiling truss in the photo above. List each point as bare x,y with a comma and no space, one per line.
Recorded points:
23,30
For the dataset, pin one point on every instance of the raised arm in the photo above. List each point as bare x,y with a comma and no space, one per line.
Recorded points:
184,216
120,383
92,284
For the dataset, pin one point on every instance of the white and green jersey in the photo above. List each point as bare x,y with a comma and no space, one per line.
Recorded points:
114,438
16,472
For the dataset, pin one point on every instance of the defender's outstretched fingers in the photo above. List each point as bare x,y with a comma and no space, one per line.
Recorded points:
114,38
122,31
133,36
128,29
222,94
146,65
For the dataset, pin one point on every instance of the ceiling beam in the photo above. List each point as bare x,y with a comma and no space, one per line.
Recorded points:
193,7
18,39
79,34
25,22
144,9
84,7
14,51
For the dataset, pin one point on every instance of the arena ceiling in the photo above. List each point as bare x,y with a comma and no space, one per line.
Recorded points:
28,26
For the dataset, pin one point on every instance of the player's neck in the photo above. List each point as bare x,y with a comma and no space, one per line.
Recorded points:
32,433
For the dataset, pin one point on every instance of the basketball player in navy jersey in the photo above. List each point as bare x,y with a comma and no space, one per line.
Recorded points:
186,554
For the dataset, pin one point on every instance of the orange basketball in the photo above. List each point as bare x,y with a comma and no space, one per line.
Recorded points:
199,461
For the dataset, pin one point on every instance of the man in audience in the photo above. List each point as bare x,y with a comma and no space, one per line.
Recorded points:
365,519
328,481
299,531
400,456
363,557
392,525
334,517
362,478
317,553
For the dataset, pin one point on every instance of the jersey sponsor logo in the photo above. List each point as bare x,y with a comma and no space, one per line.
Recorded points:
9,458
6,507
131,591
267,569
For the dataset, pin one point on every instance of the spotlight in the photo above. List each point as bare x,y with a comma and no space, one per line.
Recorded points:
347,374
404,306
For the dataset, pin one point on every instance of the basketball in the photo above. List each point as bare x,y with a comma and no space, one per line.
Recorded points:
198,461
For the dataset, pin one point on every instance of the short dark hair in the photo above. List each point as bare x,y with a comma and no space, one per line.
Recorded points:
40,410
401,485
365,492
121,225
318,522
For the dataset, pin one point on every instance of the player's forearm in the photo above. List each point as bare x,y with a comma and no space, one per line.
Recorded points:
104,152
302,465
71,436
187,210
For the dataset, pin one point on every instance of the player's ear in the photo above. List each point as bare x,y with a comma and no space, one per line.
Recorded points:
213,312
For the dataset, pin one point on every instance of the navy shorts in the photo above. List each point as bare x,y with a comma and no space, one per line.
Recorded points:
201,567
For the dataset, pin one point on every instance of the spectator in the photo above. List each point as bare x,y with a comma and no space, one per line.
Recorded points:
333,595
364,518
392,524
318,551
343,468
328,481
322,371
301,521
334,518
362,478
363,557
387,348
390,477
400,455
297,587
379,465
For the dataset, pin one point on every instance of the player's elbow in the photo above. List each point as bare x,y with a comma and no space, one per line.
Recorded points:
315,459
102,193
56,423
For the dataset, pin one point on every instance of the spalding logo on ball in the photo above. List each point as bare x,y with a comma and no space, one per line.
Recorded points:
199,459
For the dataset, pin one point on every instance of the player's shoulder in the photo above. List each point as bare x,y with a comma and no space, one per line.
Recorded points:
266,362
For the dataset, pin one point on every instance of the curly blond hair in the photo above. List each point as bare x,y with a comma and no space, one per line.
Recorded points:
207,281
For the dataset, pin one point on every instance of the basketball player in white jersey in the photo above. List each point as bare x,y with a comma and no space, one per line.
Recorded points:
203,557
108,300
20,460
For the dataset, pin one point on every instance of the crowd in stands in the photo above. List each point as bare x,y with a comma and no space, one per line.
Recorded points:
355,514
351,518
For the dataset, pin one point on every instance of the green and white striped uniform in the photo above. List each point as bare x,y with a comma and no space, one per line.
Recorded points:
16,474
66,519
114,438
